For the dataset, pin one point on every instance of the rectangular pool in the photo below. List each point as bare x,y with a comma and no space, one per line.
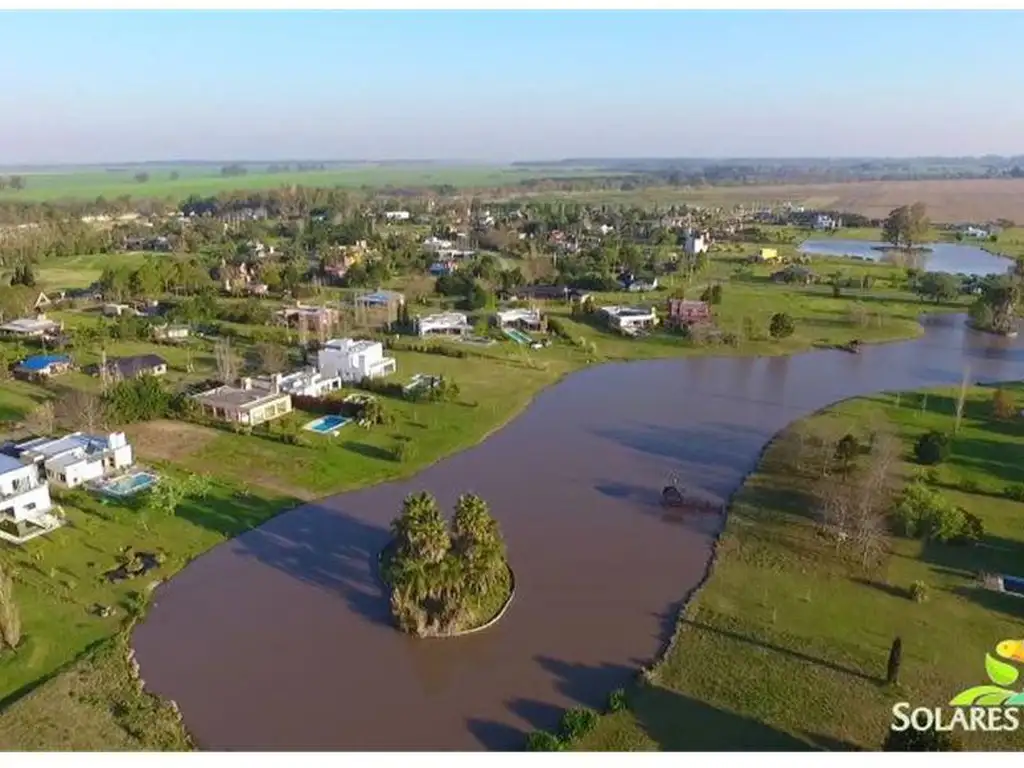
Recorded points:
128,485
518,336
327,425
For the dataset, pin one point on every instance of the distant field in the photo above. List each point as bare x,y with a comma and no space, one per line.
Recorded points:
82,271
88,185
947,201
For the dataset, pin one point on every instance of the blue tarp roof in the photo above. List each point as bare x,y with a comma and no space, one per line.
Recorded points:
39,362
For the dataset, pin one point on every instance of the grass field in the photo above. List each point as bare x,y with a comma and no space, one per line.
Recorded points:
192,180
82,271
786,645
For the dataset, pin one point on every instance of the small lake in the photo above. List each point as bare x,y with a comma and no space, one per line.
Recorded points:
942,257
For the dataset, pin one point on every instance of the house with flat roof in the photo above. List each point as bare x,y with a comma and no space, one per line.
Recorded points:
75,459
25,504
171,333
313,316
31,327
525,318
443,324
354,360
39,367
380,298
629,320
245,404
308,382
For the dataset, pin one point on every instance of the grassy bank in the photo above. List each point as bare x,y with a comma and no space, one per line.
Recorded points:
786,644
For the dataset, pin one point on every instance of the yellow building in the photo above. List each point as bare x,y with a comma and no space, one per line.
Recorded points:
768,254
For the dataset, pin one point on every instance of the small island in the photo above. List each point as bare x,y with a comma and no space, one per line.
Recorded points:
446,580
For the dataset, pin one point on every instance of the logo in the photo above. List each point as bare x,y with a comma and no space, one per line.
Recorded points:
994,706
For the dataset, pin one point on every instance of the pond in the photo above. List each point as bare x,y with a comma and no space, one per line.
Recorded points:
941,257
282,638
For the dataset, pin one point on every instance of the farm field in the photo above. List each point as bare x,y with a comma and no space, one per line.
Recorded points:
948,201
192,180
786,644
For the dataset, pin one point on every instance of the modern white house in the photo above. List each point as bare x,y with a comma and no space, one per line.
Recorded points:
630,320
443,324
396,215
25,505
695,243
75,459
353,360
522,317
308,382
244,404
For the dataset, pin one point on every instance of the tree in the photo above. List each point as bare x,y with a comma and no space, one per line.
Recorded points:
906,226
141,177
892,673
41,419
1003,405
420,532
477,540
175,176
995,310
273,357
10,616
16,182
932,447
79,409
227,363
938,286
781,326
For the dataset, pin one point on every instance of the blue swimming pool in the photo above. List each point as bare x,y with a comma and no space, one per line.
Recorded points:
327,425
129,484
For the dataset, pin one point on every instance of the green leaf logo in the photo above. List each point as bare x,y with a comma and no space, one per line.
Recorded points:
981,696
999,672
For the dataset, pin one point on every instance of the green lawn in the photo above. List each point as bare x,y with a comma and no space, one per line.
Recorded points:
60,580
82,271
192,180
786,645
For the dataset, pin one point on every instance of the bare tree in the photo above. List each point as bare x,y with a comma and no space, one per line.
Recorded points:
10,616
273,357
42,419
227,363
80,410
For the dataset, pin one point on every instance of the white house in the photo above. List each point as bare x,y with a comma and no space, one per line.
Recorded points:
308,382
437,244
25,505
695,243
443,324
825,222
30,327
396,215
352,360
77,458
520,317
629,320
245,404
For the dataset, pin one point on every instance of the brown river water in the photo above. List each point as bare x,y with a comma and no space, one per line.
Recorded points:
280,639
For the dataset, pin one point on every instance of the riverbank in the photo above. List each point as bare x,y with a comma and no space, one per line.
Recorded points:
774,651
494,390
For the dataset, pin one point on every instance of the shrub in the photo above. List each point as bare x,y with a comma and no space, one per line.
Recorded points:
617,700
973,529
781,326
403,451
924,512
932,447
577,723
1014,492
919,592
847,449
912,740
1003,406
969,485
542,741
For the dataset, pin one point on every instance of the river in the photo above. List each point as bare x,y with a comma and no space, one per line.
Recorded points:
280,639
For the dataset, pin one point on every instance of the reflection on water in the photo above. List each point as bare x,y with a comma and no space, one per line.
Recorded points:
943,257
279,639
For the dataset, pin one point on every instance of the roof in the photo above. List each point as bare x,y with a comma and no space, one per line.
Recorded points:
136,363
351,346
9,464
29,325
238,398
380,297
42,362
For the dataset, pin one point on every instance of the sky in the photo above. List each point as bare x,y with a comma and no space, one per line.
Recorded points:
91,86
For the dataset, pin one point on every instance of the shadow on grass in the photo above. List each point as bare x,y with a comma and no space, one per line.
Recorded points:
233,515
800,656
369,451
328,549
990,600
888,589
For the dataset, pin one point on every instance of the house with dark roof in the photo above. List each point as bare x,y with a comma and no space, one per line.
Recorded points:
39,367
133,367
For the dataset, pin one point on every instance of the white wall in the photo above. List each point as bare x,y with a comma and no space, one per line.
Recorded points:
28,505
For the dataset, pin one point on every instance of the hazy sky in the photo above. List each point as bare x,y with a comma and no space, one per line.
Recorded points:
99,86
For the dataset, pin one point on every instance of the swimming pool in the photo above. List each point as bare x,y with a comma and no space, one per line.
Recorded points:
517,335
127,485
327,425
